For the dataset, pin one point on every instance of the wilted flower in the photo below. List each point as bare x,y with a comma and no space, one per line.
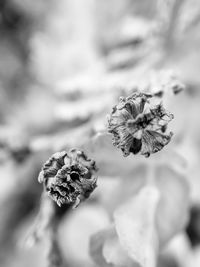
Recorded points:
68,177
139,125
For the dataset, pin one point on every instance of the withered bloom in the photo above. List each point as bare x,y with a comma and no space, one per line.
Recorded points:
139,126
68,177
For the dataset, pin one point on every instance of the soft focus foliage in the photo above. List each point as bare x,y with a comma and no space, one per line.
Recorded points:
64,65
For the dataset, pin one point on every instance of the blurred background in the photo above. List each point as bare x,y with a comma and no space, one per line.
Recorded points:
63,65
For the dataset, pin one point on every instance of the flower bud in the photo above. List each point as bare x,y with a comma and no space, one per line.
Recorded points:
68,177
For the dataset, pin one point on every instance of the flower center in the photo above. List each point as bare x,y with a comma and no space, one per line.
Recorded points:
74,176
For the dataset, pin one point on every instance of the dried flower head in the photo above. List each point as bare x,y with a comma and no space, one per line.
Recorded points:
139,125
68,177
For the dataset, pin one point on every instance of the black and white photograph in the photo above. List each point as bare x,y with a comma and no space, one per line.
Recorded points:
99,133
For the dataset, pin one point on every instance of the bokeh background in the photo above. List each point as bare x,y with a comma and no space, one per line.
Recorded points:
63,65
